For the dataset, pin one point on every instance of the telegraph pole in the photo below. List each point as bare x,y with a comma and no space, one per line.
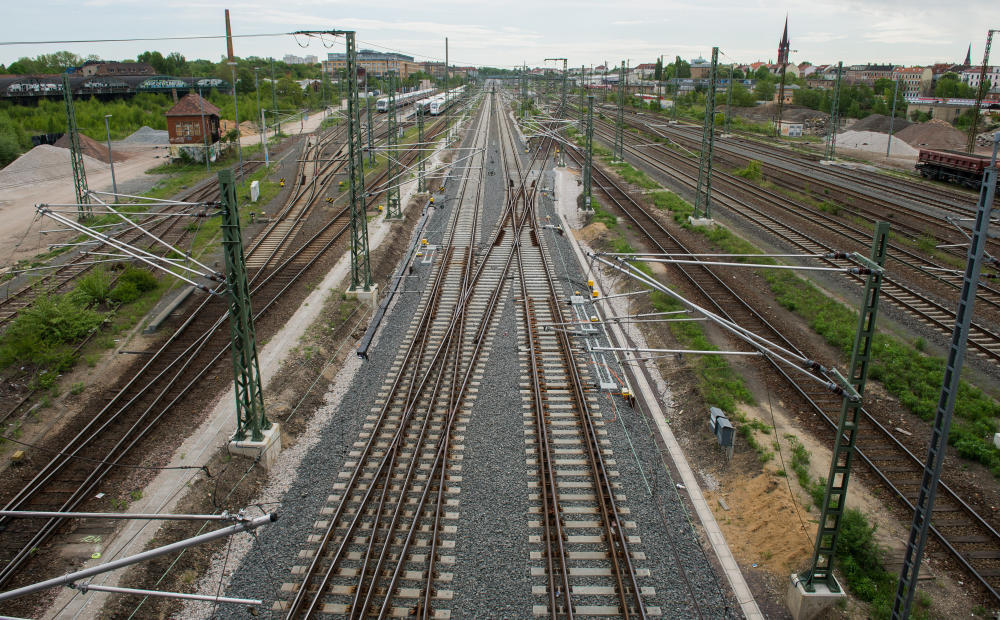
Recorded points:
588,155
831,137
392,199
729,98
368,111
421,169
910,571
892,117
76,155
361,274
980,92
835,498
703,205
250,416
619,153
274,100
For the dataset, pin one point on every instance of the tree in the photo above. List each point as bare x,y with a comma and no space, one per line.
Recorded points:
658,72
742,97
950,85
763,90
762,73
682,68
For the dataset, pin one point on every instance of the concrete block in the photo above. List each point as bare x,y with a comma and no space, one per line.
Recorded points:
371,295
807,605
270,447
167,309
701,221
996,440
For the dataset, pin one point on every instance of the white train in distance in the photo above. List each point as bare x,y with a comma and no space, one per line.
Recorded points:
441,104
402,99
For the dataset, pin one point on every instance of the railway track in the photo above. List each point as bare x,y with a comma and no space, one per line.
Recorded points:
983,339
916,211
969,538
112,435
382,545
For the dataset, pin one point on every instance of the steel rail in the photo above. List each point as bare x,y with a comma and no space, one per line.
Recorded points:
650,228
983,339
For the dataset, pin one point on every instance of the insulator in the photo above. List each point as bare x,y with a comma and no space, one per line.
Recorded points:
837,255
814,366
836,389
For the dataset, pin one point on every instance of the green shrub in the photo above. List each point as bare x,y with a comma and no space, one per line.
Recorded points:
132,284
858,555
94,288
43,333
752,172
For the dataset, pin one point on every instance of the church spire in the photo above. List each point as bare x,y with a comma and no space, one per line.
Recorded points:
968,56
784,45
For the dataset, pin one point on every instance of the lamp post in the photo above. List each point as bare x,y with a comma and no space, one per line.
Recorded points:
111,161
236,107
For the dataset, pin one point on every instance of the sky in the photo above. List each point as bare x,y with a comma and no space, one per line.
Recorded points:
509,32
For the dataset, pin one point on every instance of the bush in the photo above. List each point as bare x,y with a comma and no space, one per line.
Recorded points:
858,554
43,333
132,284
93,288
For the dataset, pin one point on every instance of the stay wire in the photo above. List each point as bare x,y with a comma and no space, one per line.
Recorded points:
784,468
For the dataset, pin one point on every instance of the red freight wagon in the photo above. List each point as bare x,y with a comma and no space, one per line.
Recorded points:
952,166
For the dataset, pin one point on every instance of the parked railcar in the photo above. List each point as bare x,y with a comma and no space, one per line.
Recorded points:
952,166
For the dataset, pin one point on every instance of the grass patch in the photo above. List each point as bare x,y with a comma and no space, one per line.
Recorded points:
718,384
45,333
915,379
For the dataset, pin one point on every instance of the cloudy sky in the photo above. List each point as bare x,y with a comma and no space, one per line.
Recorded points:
509,32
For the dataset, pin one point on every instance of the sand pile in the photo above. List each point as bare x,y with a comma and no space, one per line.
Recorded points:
44,163
874,142
91,147
147,135
247,128
934,134
880,122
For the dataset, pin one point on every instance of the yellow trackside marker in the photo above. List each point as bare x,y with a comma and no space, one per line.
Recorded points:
594,294
590,283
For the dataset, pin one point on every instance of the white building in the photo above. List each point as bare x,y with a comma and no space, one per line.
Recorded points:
971,77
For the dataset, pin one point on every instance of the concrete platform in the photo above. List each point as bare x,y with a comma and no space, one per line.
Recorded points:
701,221
371,295
270,447
807,605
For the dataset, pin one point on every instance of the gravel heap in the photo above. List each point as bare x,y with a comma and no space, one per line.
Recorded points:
91,147
44,163
147,135
934,134
880,123
874,142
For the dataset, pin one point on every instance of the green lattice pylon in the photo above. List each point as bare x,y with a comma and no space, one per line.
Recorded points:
835,498
421,166
361,273
393,208
619,154
76,155
831,137
588,155
583,97
250,416
703,200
